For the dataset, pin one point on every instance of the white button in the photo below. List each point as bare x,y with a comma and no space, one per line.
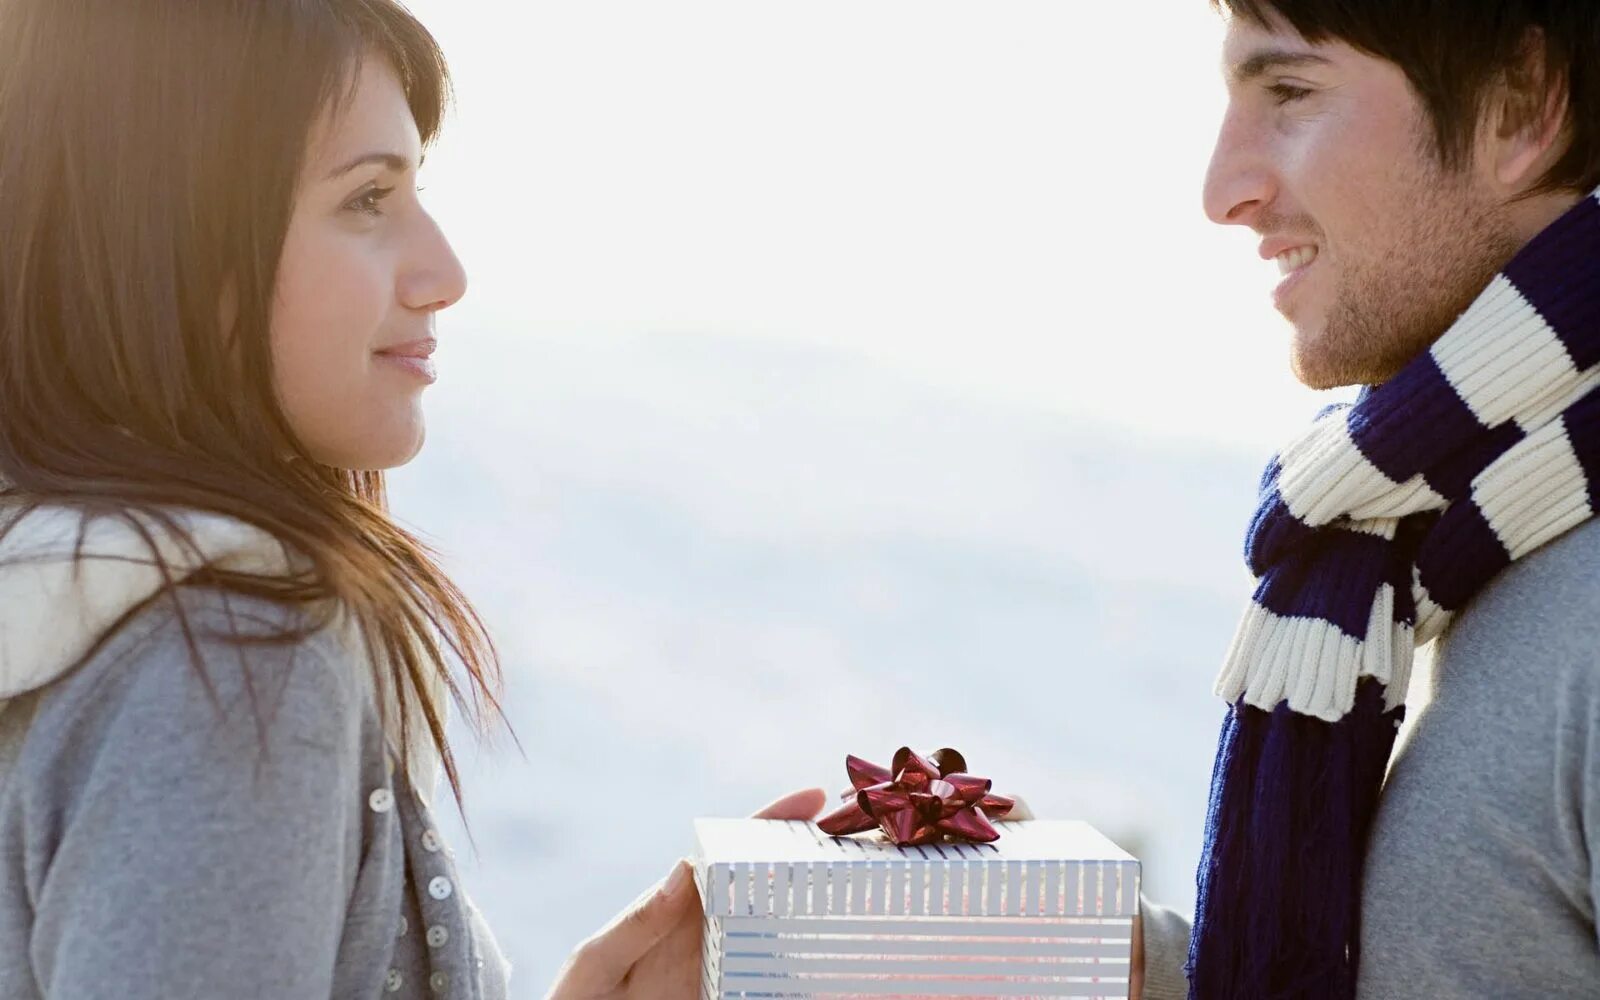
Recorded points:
381,800
392,984
439,887
439,981
430,840
402,926
437,936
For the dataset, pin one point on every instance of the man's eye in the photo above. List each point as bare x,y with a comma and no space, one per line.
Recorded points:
370,202
1286,93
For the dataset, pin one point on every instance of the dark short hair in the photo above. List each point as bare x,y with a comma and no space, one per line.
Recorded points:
1454,51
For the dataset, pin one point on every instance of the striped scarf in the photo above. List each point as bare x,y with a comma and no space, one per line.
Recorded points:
1376,526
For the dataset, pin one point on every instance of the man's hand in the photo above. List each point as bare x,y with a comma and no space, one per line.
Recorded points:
1019,811
652,949
1136,966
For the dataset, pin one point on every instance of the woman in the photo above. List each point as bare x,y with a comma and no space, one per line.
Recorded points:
224,667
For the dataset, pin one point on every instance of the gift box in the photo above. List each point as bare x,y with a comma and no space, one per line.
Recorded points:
1045,911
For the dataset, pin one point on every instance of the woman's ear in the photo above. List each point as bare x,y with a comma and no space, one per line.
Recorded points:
228,324
228,307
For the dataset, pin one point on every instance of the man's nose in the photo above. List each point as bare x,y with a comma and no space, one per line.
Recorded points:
1238,185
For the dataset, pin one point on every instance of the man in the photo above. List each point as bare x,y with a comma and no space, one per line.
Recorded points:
1394,155
1423,174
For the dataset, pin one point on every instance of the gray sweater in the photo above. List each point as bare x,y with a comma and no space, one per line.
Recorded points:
149,851
1485,858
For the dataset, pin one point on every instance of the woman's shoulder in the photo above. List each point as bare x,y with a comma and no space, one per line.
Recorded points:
234,637
235,792
197,671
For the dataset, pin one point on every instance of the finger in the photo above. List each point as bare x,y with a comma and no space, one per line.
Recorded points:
670,970
604,961
796,805
1136,971
1019,811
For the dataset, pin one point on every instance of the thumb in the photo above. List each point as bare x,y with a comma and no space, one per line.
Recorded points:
606,958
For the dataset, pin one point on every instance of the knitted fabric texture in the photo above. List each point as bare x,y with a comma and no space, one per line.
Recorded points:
1375,527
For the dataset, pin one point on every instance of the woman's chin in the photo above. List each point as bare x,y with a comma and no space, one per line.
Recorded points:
374,452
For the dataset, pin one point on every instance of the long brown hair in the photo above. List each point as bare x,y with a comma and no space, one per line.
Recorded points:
149,157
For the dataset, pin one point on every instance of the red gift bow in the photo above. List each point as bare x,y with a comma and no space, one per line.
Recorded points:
918,800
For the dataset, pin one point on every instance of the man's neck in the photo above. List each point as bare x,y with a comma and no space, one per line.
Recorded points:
1529,217
1532,216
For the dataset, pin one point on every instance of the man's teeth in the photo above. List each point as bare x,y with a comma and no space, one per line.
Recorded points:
1293,260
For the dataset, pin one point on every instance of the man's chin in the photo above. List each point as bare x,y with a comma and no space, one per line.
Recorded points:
1317,368
1312,379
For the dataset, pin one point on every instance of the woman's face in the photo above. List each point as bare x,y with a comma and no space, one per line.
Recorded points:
364,270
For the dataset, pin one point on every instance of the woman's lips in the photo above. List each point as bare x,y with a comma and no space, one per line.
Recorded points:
422,368
415,357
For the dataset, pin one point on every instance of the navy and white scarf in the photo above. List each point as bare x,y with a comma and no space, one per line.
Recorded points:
1376,526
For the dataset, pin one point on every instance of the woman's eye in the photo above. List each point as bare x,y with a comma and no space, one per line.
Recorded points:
370,202
1286,93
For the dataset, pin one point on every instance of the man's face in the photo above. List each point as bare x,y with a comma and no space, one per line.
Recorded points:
1327,153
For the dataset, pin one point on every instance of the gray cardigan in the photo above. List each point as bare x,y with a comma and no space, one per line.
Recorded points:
1484,866
149,851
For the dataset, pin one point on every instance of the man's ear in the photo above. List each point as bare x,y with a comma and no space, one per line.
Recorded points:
1528,116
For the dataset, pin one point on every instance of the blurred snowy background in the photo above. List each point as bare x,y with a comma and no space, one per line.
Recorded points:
836,376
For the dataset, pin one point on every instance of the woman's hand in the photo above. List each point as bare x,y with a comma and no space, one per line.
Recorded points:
652,949
1136,970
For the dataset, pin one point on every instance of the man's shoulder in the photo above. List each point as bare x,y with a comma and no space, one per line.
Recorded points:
1563,573
1548,602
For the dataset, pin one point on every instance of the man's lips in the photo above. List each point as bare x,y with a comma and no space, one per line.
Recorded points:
1291,254
1294,264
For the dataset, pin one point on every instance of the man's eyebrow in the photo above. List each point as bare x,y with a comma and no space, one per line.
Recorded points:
1270,59
394,161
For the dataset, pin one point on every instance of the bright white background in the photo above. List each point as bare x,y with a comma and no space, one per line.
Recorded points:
836,375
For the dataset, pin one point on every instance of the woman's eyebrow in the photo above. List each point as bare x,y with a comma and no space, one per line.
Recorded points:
394,161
